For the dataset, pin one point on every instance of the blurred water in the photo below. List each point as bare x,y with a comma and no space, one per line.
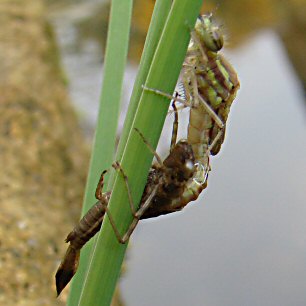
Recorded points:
243,242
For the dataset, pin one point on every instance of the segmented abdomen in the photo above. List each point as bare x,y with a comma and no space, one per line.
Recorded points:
216,83
89,225
230,85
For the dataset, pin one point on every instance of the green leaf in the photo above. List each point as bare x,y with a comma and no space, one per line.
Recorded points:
105,136
136,159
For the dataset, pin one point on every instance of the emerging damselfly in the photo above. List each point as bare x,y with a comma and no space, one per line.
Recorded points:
209,84
163,194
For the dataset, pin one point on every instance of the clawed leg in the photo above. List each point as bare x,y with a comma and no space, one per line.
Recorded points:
164,94
160,162
99,194
197,96
117,166
136,219
175,98
175,127
136,214
197,99
219,122
184,102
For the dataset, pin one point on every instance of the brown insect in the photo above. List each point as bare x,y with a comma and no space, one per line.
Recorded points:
163,194
210,85
88,226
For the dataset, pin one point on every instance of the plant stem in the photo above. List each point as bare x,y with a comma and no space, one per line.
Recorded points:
104,142
108,254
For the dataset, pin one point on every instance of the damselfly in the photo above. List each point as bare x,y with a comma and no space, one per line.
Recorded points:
209,84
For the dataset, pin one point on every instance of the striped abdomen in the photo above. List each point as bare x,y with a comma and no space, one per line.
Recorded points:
88,226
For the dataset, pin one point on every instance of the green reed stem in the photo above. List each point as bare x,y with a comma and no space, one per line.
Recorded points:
136,159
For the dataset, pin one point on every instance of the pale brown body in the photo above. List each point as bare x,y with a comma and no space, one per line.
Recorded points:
166,182
88,226
209,82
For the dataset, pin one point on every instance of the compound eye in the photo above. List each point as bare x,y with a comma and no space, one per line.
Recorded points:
213,39
210,33
217,39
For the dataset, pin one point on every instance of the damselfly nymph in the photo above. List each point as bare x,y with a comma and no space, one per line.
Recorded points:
164,193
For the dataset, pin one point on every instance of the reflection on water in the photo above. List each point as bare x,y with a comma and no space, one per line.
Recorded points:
242,242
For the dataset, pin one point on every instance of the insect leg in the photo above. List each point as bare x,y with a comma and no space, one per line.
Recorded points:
136,219
117,166
194,92
183,101
136,214
217,119
164,94
113,224
211,111
160,162
175,127
99,194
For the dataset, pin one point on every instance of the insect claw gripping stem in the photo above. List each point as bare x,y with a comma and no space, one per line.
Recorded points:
116,165
136,218
164,94
160,162
136,214
123,239
99,188
175,126
99,196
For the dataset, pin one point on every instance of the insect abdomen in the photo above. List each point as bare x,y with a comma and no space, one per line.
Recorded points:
89,225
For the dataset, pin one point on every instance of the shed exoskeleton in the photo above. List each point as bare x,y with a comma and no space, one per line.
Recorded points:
163,194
